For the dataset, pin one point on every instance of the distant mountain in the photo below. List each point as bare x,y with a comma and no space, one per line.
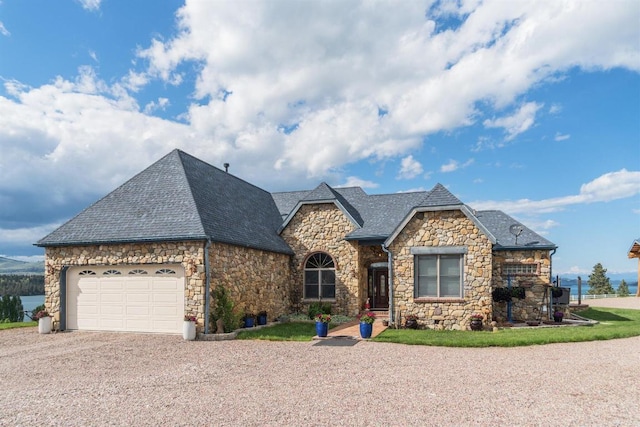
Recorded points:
12,266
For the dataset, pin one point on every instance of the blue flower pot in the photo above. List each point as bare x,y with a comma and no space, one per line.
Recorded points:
322,329
262,320
366,329
248,322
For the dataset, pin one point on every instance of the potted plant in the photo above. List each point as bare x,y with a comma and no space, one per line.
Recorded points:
411,321
557,316
249,320
262,318
189,328
322,324
44,322
476,322
366,323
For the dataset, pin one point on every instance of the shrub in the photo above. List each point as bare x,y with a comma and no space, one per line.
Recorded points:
316,308
224,309
11,309
501,295
518,292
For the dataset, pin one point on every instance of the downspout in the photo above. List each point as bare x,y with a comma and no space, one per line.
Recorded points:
550,306
390,268
207,286
62,318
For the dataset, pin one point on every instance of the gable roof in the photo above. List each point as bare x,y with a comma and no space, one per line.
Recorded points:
634,250
177,198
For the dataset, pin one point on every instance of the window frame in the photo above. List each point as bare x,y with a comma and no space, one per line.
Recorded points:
521,265
438,253
319,262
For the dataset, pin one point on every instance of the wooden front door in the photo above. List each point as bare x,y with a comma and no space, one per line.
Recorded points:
380,288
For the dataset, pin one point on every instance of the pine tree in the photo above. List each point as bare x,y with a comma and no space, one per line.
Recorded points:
623,289
599,282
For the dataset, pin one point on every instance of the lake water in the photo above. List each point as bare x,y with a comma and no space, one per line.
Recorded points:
29,302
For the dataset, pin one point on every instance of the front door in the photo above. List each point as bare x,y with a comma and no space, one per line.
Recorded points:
380,288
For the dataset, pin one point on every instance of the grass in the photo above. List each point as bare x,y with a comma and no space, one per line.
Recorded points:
17,325
290,331
614,323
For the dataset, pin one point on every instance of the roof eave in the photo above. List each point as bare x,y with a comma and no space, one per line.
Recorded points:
42,244
499,247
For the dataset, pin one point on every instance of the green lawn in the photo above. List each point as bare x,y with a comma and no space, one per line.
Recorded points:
290,331
17,325
614,323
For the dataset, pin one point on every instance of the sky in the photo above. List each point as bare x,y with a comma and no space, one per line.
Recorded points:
530,107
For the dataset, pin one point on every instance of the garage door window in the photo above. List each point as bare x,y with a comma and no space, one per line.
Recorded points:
87,273
137,272
111,273
163,271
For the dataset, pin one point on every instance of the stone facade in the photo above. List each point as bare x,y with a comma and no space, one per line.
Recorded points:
443,229
257,280
322,228
534,284
190,255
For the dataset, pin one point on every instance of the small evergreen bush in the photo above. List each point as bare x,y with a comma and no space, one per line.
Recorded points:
316,308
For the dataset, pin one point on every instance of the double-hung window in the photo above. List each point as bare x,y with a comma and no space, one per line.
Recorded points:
438,275
320,277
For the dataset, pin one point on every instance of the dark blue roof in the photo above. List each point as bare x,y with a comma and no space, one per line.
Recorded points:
178,198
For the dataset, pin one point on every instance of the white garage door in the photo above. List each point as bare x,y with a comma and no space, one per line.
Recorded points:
133,298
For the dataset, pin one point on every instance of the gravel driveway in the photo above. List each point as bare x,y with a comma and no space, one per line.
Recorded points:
82,378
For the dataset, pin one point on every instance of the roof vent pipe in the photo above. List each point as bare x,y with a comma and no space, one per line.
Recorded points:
226,167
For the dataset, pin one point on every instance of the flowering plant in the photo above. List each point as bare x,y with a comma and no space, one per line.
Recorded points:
41,314
367,317
188,318
411,317
324,318
477,316
558,314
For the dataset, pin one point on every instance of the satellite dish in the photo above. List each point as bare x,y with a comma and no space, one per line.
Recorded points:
516,230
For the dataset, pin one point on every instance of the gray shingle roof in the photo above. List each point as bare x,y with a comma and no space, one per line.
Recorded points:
498,224
183,198
178,198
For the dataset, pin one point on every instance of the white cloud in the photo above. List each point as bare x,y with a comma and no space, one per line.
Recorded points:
152,106
561,137
93,55
90,5
409,168
354,181
454,165
518,123
320,66
610,186
555,109
3,30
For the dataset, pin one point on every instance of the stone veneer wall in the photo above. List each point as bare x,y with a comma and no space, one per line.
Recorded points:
257,280
322,228
190,255
442,229
528,308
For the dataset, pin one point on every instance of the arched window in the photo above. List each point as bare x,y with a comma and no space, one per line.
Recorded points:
320,276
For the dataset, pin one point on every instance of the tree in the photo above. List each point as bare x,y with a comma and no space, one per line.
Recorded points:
623,289
599,282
